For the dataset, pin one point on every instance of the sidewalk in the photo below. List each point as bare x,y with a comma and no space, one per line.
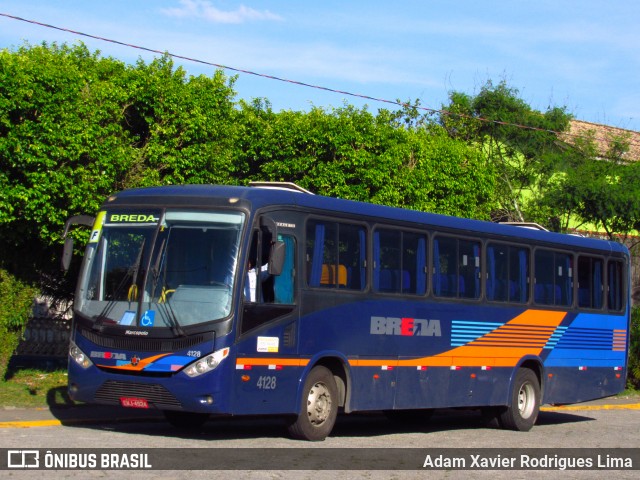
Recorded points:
630,402
73,414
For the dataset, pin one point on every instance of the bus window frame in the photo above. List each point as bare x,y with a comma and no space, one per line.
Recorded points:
624,294
432,266
336,220
488,241
604,261
555,251
402,229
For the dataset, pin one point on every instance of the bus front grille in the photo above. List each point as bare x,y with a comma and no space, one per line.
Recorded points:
112,391
142,344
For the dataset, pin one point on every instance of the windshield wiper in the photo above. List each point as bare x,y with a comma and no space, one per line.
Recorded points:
163,302
132,272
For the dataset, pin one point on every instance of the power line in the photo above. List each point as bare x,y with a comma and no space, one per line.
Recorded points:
293,82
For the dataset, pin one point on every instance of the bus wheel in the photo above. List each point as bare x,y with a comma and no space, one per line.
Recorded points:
185,420
319,407
522,412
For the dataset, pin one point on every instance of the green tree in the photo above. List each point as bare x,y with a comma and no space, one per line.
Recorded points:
75,127
183,126
61,145
597,188
16,303
354,154
520,142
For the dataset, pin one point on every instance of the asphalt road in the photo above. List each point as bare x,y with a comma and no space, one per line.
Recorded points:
358,441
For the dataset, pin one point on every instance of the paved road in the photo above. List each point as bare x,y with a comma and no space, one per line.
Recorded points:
607,424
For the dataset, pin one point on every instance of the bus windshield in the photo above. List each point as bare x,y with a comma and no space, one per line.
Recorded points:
151,269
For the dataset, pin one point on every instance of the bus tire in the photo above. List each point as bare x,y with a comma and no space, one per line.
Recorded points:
522,412
319,406
185,420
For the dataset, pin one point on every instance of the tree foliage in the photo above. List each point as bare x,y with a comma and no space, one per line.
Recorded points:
75,127
15,306
597,188
354,154
521,143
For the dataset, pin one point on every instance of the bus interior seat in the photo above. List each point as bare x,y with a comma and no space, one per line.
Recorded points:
329,277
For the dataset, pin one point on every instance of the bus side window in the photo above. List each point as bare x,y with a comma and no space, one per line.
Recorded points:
456,268
399,262
258,283
553,278
590,282
507,273
615,286
336,255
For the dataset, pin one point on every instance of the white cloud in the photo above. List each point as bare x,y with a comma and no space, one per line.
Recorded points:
205,10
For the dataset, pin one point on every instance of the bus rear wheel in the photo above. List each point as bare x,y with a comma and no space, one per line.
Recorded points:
522,412
319,406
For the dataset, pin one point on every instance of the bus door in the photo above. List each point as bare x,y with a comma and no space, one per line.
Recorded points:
266,364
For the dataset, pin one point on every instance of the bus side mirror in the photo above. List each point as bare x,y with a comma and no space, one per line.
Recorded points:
276,259
67,253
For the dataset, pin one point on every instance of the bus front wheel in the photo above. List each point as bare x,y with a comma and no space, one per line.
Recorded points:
319,406
522,412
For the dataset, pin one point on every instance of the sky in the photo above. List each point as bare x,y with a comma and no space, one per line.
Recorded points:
583,55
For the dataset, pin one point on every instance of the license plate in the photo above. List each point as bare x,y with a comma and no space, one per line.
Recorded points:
132,402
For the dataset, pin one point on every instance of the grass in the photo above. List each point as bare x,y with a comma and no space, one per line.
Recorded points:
33,388
629,393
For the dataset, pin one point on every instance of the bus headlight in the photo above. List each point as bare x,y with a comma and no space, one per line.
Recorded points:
206,364
79,356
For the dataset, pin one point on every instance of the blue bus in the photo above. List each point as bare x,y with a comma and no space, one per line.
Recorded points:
202,300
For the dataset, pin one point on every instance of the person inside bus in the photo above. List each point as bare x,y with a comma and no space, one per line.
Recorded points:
251,282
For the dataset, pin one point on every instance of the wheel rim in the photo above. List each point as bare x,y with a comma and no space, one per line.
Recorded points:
319,404
526,400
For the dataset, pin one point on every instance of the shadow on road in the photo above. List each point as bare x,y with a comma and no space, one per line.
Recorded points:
152,422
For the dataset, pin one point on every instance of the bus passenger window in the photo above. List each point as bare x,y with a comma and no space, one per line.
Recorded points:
507,273
456,265
399,262
615,285
336,255
590,282
387,261
553,278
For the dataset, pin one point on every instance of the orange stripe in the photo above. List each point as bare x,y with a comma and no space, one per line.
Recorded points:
287,362
478,353
486,350
619,340
538,317
439,361
143,363
373,363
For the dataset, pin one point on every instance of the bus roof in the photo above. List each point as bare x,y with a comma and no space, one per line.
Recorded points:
257,197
